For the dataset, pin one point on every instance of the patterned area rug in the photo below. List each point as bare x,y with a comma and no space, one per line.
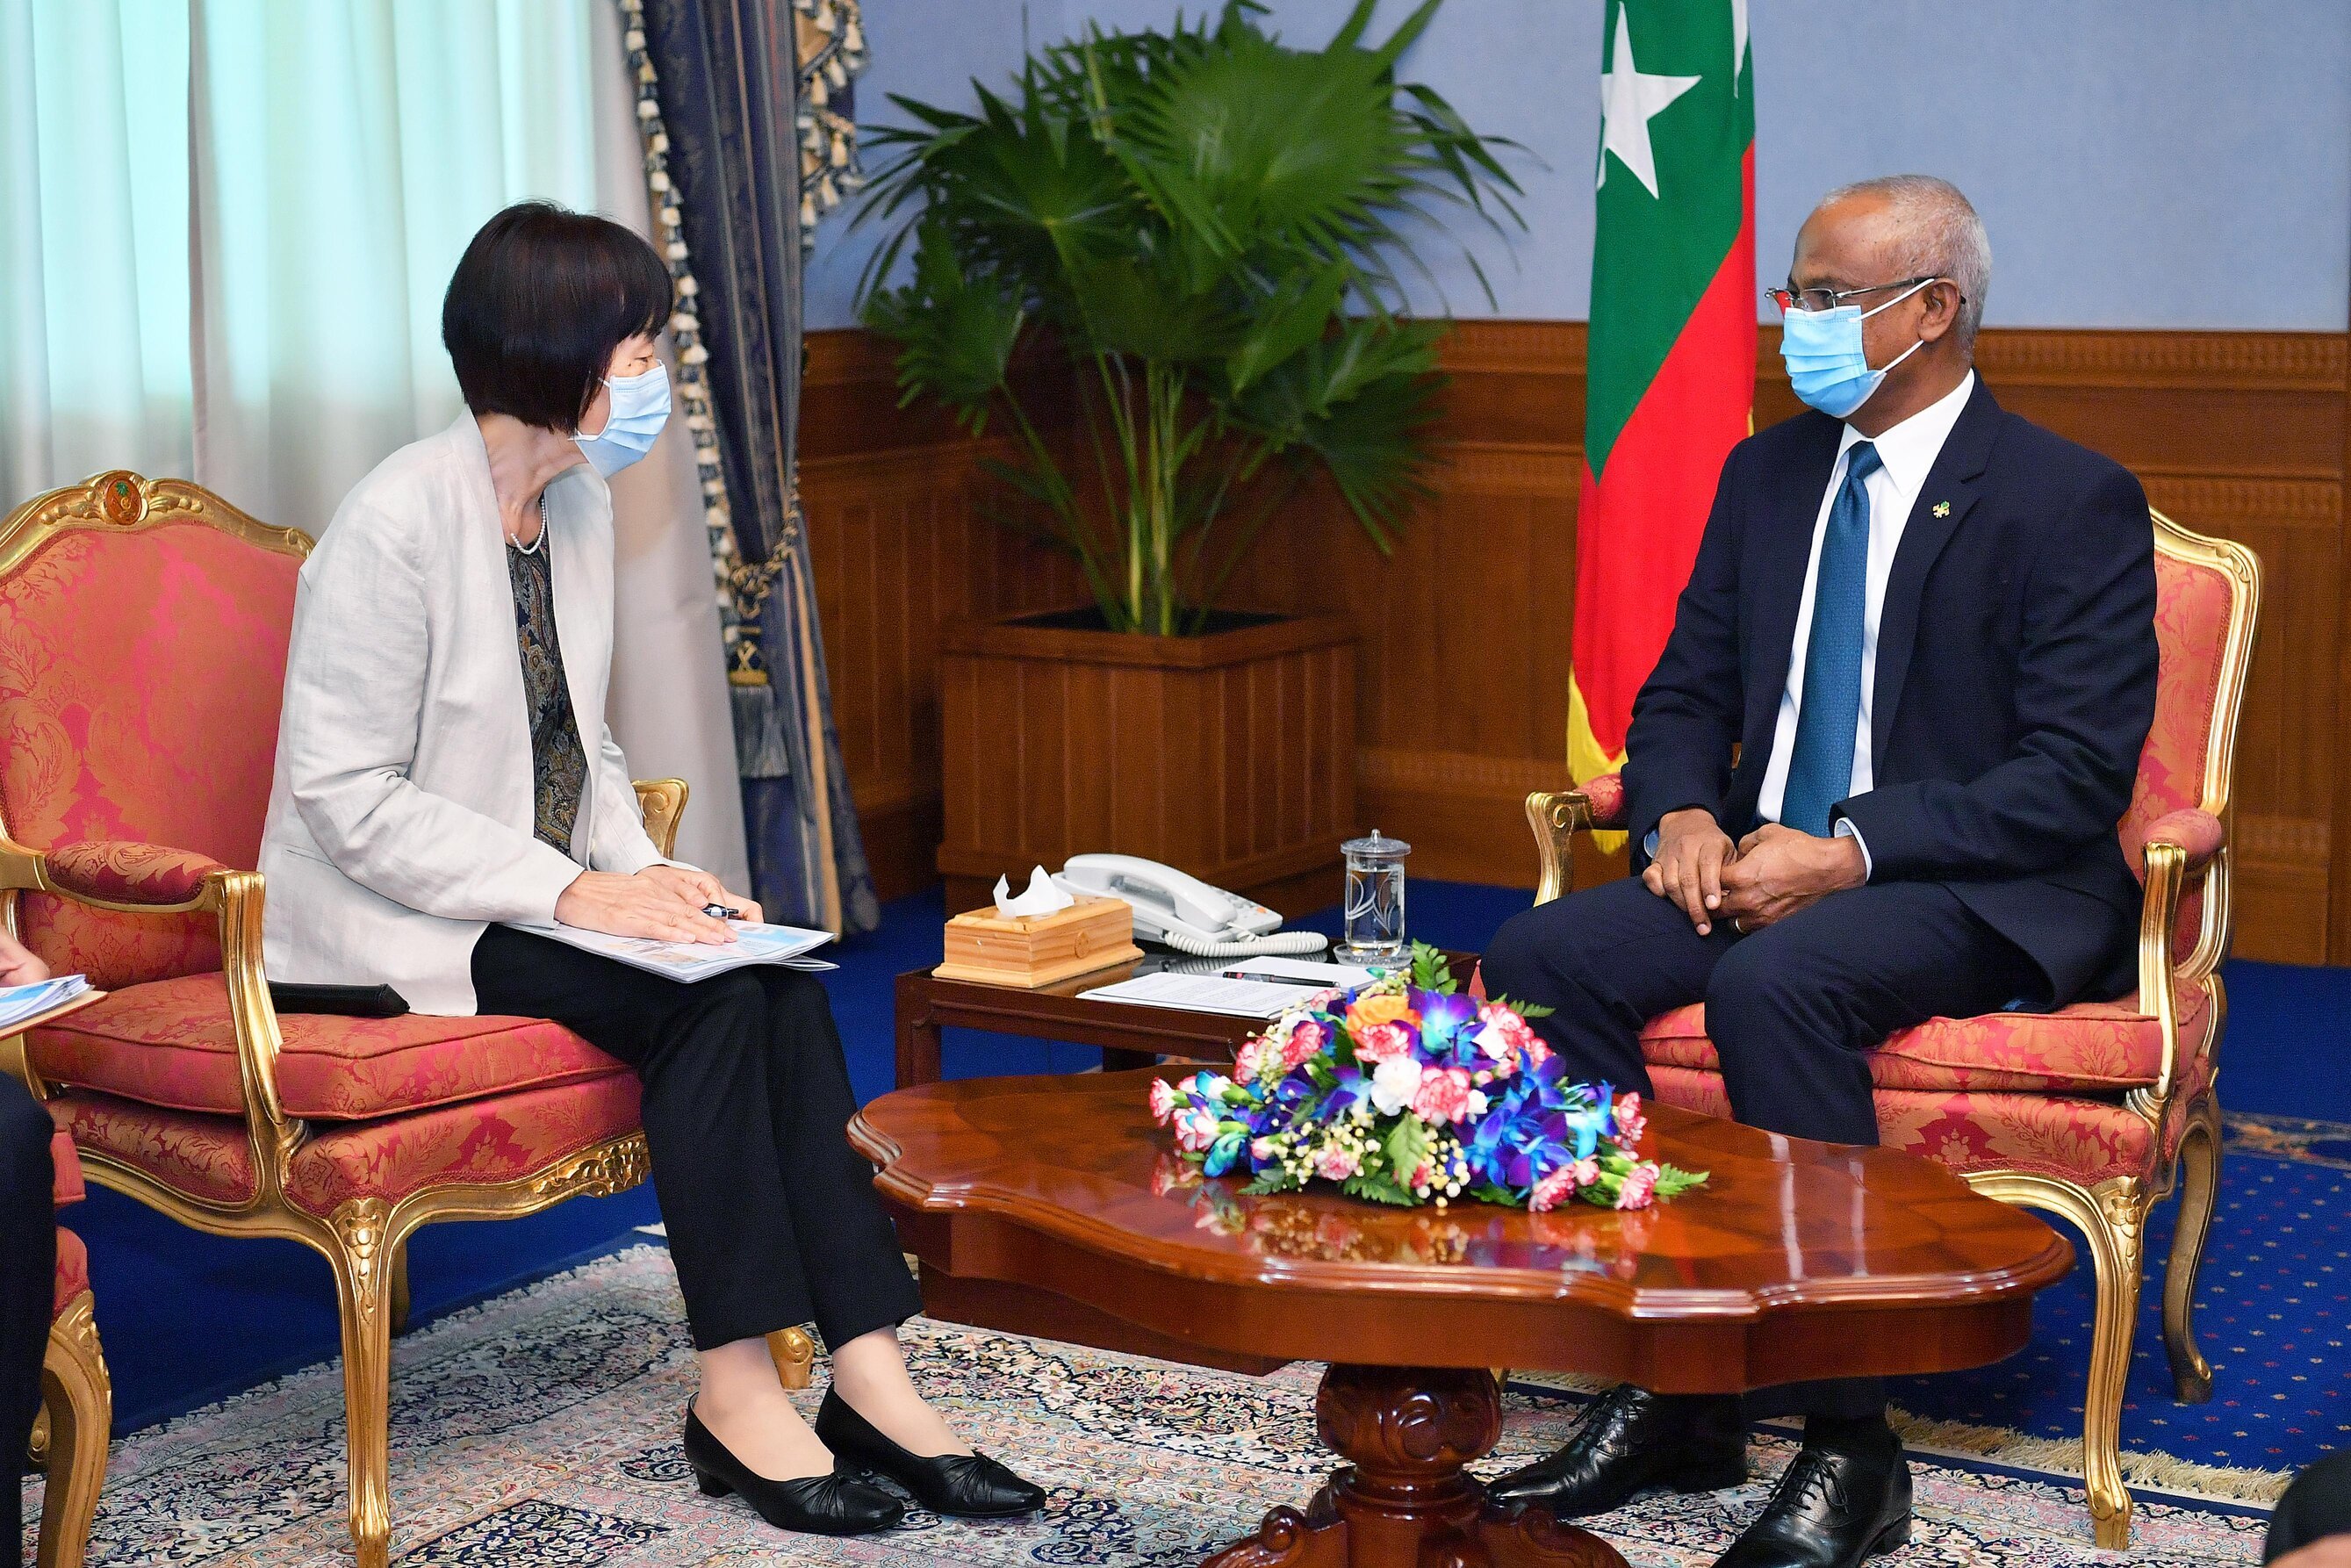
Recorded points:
541,1430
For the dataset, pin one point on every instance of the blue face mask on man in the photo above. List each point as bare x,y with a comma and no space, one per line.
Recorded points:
1827,364
639,408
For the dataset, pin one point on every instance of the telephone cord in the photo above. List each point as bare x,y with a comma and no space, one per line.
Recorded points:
1248,947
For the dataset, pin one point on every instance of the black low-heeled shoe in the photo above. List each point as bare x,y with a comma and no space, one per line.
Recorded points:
966,1486
831,1504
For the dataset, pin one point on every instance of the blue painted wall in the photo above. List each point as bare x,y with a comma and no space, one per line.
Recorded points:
2140,162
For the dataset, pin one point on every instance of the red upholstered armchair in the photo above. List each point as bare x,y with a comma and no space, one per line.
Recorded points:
77,1397
143,628
2094,1112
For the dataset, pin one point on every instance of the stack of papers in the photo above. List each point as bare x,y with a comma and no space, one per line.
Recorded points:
1244,988
19,1004
787,945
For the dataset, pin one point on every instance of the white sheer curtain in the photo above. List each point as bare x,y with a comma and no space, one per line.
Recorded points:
225,230
94,367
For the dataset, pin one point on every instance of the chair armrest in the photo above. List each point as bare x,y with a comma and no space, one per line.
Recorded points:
1556,815
663,803
2199,835
2177,845
128,873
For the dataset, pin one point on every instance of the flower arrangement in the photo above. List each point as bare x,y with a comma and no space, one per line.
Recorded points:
1404,1091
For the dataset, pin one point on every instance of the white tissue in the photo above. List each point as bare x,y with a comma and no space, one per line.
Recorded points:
1043,897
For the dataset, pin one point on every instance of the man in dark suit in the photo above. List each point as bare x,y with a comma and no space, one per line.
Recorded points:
1875,779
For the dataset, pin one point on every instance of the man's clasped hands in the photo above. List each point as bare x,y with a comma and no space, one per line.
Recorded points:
1770,874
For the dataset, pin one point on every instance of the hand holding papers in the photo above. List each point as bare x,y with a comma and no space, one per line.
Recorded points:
788,946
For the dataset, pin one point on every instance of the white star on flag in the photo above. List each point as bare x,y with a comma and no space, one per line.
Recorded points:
1628,101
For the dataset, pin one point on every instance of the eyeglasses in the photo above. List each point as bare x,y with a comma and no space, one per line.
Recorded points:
1789,299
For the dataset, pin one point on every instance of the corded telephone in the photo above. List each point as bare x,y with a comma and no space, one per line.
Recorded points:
1183,912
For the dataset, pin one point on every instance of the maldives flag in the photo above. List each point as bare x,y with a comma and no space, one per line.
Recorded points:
1671,364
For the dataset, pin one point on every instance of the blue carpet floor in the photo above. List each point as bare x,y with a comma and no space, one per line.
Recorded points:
187,1318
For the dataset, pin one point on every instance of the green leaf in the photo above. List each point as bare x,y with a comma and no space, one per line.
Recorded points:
1673,1181
1407,1143
1487,1192
1378,1189
1431,970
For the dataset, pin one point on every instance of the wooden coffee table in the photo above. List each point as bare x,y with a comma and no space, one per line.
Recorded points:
1052,1206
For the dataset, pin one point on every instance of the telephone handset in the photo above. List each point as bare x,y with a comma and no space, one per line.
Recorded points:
1183,912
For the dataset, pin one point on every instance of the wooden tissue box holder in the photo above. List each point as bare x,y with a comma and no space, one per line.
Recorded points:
1033,950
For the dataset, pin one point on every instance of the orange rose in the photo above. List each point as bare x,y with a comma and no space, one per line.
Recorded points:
1379,1008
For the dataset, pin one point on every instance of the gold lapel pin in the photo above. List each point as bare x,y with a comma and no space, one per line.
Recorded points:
1942,509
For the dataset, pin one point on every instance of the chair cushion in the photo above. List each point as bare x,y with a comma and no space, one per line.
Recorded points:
206,1157
140,678
73,1272
482,1143
2084,1141
171,1043
2088,1048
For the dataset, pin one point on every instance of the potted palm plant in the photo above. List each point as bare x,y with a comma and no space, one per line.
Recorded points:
1202,232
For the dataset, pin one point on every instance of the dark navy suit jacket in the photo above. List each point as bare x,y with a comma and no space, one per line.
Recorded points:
2015,686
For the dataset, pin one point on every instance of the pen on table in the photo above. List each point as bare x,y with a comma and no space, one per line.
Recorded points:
720,911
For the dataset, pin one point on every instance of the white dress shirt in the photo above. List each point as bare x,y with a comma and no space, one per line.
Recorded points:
1907,453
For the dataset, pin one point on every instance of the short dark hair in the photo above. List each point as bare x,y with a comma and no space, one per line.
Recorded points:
538,302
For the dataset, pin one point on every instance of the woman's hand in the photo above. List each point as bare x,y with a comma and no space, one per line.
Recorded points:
664,906
702,888
17,965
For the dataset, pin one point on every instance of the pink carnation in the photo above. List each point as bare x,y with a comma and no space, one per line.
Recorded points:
1382,1042
1516,1034
1249,1060
1262,1151
1442,1096
1584,1172
1195,1129
1164,1101
1552,1190
1305,1043
1335,1164
1630,1124
1423,1177
1537,1054
1640,1187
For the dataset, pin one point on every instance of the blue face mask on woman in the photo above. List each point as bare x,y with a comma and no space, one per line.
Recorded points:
639,408
1826,365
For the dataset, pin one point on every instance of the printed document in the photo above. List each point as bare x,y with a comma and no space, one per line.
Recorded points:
22,1004
788,946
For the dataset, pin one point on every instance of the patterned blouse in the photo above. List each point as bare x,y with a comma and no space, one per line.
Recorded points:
558,763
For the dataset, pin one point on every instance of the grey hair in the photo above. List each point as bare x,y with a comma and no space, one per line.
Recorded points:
1936,232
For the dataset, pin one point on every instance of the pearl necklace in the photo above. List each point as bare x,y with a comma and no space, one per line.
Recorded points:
535,546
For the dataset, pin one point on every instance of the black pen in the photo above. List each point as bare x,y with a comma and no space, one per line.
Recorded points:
720,911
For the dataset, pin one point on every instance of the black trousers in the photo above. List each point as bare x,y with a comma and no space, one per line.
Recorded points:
772,1217
2317,1505
28,1265
1790,1009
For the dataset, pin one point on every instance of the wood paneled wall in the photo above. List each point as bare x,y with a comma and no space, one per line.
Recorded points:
1461,683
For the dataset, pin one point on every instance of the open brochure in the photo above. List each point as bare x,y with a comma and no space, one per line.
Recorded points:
42,1000
788,946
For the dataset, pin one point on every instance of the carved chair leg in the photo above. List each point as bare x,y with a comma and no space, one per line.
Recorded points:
79,1399
362,1259
794,1355
2199,1186
396,1274
2111,1218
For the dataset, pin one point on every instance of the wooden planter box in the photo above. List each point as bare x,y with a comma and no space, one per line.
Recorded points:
1230,756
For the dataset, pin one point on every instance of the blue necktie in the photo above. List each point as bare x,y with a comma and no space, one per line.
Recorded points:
1820,771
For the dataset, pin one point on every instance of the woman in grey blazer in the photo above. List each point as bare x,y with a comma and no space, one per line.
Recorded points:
445,772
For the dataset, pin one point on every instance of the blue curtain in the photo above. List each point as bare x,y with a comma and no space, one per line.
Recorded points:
727,76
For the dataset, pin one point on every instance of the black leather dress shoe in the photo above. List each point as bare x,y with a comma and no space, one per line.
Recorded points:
1835,1508
966,1486
1632,1439
815,1505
